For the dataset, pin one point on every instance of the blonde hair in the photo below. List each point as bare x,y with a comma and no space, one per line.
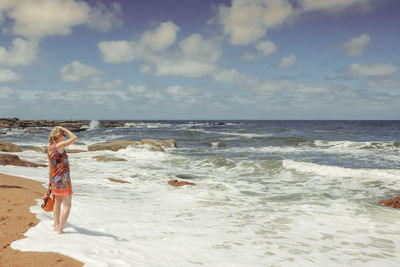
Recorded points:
54,134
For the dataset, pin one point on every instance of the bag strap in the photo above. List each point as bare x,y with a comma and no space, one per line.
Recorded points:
48,191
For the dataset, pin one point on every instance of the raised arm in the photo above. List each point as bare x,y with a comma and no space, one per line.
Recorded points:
72,138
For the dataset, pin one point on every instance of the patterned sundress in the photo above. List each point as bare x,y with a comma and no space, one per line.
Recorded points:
60,179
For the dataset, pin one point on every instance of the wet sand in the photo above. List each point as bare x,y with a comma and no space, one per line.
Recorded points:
17,195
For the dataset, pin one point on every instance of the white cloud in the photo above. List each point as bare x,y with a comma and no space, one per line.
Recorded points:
247,21
150,42
76,71
7,75
160,38
371,69
196,57
384,83
40,18
103,19
6,92
356,46
117,51
250,56
267,47
264,48
23,52
47,17
98,84
180,91
288,61
137,89
332,5
185,68
235,77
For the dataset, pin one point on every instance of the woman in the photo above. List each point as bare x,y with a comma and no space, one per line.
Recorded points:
59,174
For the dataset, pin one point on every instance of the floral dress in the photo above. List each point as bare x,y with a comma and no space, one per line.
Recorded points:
59,172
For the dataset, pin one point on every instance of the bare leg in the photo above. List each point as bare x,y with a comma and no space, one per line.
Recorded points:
65,213
57,211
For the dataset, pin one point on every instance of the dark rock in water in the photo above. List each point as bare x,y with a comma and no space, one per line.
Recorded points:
74,151
113,145
73,125
9,147
184,176
105,158
175,182
218,144
37,149
159,145
118,181
7,159
79,143
111,124
76,130
391,203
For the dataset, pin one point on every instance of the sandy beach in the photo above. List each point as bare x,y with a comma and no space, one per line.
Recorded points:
17,195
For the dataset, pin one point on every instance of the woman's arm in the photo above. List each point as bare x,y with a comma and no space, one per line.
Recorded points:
72,138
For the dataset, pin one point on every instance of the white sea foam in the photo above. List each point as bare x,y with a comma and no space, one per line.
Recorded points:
150,125
94,124
351,145
240,213
335,171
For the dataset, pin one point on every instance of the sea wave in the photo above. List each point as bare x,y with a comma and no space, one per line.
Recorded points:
393,145
337,171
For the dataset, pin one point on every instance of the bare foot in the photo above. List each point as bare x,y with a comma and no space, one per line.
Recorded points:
60,232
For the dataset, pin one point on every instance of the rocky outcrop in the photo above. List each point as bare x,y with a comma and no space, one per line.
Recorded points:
38,149
118,181
105,158
175,182
7,159
9,147
391,203
74,151
73,125
113,145
158,144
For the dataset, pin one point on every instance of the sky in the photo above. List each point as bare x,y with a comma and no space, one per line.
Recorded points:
197,60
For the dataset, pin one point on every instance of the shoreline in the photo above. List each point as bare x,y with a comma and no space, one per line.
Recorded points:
17,195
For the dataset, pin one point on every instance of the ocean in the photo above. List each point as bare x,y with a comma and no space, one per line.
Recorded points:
268,193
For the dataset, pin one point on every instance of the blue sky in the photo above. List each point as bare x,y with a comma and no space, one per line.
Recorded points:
239,59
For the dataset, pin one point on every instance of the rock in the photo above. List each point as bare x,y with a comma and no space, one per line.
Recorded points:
218,144
158,144
105,158
113,145
7,159
110,124
118,181
391,203
79,143
73,125
73,151
9,147
37,149
175,182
